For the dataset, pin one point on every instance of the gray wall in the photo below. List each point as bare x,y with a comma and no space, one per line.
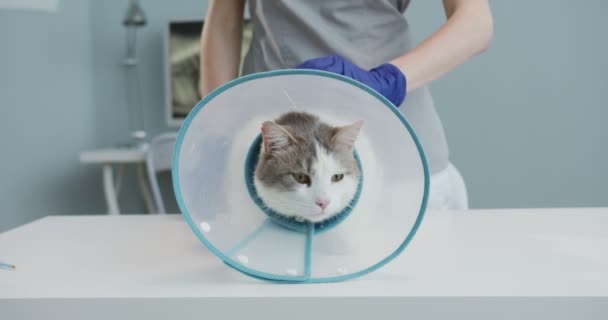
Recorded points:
524,120
62,90
46,114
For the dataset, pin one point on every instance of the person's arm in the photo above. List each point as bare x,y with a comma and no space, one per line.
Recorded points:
467,32
221,44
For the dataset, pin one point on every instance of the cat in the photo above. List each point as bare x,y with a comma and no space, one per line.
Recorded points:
306,167
243,215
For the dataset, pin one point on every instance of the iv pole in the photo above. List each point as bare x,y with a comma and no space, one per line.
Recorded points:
134,19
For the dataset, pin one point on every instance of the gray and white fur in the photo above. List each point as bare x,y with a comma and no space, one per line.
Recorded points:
307,168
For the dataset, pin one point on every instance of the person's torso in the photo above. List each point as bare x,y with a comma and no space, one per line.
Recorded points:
288,32
367,32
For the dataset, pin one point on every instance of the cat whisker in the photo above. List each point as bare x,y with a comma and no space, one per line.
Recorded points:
293,104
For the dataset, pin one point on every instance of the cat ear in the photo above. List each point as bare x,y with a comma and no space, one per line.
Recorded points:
347,135
275,137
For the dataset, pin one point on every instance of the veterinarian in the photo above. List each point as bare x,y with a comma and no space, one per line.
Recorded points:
368,40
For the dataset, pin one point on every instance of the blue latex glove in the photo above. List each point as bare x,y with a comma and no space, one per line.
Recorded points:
387,79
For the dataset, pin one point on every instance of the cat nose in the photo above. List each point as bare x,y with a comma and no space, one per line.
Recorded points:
323,203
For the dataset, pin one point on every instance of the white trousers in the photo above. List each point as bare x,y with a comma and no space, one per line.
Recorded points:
448,191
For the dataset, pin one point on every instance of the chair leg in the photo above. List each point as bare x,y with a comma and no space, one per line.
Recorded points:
109,190
144,187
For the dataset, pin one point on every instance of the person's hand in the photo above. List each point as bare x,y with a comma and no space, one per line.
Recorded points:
387,79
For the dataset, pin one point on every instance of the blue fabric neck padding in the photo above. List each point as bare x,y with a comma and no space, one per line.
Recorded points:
292,223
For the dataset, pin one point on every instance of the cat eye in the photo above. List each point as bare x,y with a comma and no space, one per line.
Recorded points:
301,178
337,177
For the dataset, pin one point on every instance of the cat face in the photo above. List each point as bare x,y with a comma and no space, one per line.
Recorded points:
306,167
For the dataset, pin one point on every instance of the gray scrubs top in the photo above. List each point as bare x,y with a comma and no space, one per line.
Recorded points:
367,32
